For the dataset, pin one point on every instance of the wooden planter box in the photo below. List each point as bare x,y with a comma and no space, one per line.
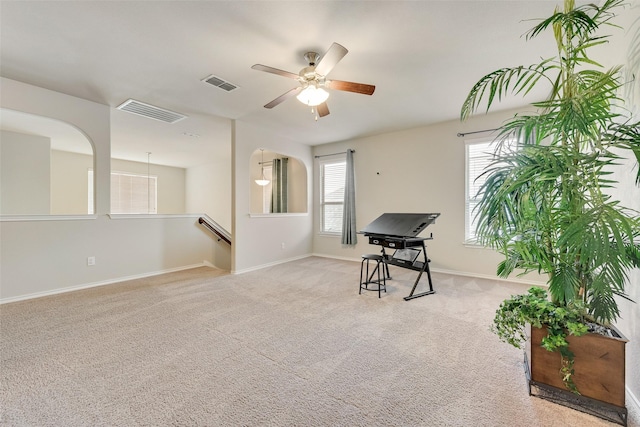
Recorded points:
599,373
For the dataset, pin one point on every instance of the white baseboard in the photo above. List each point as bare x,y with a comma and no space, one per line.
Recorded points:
633,399
452,272
101,283
270,264
488,277
341,258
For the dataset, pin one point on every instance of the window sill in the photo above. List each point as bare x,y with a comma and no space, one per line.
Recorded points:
327,234
473,245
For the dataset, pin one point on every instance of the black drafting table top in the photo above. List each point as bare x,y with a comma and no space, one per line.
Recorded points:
400,224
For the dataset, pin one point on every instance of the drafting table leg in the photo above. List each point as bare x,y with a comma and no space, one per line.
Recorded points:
425,267
386,265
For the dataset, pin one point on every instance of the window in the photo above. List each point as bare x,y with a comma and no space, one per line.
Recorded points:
130,193
479,154
266,190
332,178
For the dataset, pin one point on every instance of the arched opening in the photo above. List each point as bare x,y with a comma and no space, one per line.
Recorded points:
44,166
286,189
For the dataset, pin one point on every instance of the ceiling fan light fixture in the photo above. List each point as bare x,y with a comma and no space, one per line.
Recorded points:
312,96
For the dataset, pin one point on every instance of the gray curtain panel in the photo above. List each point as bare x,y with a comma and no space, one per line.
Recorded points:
349,236
279,185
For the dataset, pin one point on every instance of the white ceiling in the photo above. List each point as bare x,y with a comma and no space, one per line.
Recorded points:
422,56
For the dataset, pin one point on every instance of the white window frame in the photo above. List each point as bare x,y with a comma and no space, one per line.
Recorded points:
90,186
323,163
475,164
152,186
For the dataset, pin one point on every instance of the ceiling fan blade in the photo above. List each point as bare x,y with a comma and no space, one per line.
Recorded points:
283,97
335,53
351,87
323,109
272,70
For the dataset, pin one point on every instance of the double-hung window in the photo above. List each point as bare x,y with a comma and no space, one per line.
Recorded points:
479,155
131,193
332,180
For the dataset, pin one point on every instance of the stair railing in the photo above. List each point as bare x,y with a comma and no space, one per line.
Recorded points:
216,229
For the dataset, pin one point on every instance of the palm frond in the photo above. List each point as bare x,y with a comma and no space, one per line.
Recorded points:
496,85
625,136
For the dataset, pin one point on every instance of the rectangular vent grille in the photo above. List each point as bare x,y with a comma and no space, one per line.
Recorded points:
220,83
150,111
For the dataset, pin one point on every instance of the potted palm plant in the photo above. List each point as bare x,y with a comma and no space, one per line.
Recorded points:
545,207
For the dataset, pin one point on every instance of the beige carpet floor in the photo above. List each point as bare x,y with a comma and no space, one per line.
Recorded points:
289,345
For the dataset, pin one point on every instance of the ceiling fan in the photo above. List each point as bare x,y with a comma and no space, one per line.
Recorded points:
313,80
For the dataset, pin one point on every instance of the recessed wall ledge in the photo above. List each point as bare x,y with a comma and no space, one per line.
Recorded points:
152,216
278,215
8,218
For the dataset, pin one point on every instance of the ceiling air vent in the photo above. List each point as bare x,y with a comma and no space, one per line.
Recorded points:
150,111
220,83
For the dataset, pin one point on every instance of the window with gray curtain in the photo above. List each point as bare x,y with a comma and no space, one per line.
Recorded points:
279,185
332,177
349,236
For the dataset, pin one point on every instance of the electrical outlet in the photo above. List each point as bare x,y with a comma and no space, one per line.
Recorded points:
91,260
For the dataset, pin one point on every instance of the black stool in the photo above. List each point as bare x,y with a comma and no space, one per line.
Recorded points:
380,268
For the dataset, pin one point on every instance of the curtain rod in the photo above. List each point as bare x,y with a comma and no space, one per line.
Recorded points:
271,161
333,154
478,131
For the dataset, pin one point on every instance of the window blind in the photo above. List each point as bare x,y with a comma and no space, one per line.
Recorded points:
130,193
479,155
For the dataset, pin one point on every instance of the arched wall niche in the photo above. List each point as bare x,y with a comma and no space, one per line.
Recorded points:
44,166
295,191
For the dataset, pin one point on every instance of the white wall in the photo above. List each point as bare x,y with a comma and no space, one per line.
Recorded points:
42,257
69,183
25,183
298,181
415,170
629,323
259,240
208,190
